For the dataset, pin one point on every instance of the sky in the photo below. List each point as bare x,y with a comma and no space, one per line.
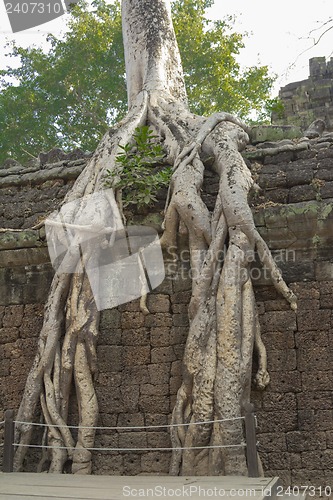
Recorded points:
278,34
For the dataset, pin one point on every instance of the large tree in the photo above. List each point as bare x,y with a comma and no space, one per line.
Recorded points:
223,317
68,95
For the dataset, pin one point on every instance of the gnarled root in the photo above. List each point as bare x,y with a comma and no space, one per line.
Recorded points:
219,349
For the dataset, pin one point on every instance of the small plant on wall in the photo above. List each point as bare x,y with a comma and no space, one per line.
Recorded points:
140,171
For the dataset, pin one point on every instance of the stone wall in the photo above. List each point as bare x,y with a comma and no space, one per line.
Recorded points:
140,356
309,99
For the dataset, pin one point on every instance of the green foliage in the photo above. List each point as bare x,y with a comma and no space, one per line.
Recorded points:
69,94
139,171
214,79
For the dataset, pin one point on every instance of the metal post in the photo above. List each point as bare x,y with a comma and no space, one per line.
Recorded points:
251,440
8,446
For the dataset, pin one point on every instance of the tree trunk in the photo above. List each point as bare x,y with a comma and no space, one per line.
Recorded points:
223,318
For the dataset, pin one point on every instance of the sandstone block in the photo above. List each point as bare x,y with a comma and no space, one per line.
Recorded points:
155,461
317,380
298,441
316,400
278,321
274,401
154,390
130,320
158,303
8,335
282,359
136,337
309,320
13,316
158,319
286,381
272,442
154,404
163,354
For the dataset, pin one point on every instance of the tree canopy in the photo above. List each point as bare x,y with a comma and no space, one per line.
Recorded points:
70,94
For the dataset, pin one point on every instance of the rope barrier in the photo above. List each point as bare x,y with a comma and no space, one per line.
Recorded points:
137,427
2,423
242,445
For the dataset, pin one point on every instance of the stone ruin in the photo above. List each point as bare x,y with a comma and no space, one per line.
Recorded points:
140,356
309,99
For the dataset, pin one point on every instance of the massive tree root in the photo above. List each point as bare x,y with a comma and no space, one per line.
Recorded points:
224,325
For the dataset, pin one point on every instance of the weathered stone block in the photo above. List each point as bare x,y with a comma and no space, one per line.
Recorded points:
163,354
318,420
272,442
133,440
279,460
132,464
130,420
181,297
138,355
13,316
5,368
180,308
276,305
306,290
135,375
279,340
180,320
313,359
130,398
316,400
269,181
158,303
130,320
110,358
309,320
136,337
317,380
286,381
158,439
310,477
155,390
110,399
154,419
175,383
282,360
176,368
159,373
154,404
279,421
108,464
274,401
111,336
8,335
160,337
110,319
302,193
155,461
298,441
307,304
278,321
158,319
298,176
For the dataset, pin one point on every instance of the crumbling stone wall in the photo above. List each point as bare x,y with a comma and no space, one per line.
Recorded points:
140,356
309,99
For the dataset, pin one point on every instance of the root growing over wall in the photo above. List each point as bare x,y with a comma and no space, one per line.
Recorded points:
224,327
